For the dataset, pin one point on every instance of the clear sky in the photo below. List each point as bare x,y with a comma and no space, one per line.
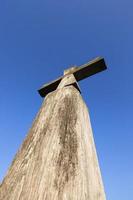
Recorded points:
38,40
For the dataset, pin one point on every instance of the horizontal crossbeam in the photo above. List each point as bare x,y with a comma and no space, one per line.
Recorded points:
80,73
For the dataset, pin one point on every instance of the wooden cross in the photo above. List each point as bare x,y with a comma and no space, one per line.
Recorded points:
80,73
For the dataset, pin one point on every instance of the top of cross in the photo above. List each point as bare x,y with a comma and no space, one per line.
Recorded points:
80,73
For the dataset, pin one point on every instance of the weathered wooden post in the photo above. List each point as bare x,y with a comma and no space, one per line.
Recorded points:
58,160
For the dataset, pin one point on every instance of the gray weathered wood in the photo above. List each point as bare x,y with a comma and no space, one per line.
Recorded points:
57,160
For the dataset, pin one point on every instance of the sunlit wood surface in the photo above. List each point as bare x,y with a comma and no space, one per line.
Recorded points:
57,160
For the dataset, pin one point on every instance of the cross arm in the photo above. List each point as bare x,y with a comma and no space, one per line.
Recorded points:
82,72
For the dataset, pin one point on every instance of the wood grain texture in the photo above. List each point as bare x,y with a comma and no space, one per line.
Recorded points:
57,160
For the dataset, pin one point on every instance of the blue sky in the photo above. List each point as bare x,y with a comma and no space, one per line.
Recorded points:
38,40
